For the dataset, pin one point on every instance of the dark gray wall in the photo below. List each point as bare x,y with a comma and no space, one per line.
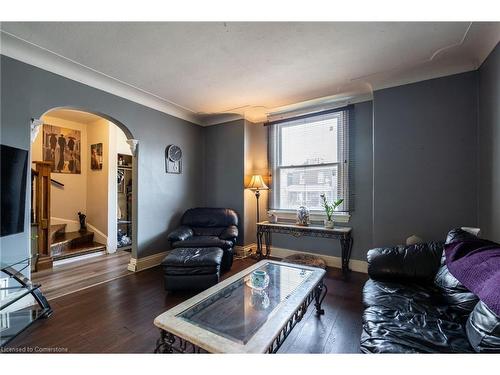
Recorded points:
425,159
361,217
424,179
489,146
224,168
28,92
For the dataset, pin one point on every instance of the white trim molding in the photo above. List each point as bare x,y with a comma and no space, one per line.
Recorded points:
133,145
33,54
141,264
36,124
331,261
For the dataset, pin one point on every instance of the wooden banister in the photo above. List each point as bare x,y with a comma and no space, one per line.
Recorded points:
41,177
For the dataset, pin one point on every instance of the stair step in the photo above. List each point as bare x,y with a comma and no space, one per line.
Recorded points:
80,250
71,240
57,230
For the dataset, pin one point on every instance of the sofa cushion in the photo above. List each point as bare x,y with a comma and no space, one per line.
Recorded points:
409,298
483,329
208,231
413,263
410,318
204,241
391,330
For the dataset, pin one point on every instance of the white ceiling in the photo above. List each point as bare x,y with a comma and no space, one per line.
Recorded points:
249,68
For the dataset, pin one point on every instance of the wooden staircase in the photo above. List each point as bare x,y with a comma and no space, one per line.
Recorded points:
53,242
66,245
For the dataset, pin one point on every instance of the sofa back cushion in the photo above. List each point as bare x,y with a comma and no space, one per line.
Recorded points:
206,217
418,262
483,329
208,231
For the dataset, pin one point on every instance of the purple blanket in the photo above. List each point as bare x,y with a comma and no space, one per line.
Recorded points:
476,264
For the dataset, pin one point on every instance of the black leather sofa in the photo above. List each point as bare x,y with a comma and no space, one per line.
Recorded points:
208,227
415,305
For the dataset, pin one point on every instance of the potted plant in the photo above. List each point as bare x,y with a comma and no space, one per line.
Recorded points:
329,209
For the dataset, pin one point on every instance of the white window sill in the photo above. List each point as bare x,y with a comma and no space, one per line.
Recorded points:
340,217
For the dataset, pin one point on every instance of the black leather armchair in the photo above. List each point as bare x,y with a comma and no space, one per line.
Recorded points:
208,227
415,305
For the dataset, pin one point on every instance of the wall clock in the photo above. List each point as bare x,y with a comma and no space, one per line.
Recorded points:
173,159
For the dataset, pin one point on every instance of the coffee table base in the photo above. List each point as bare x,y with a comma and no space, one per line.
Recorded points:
170,343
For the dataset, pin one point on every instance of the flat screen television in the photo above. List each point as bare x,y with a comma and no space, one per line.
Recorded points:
14,166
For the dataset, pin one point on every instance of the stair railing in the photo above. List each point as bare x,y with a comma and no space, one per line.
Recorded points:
40,211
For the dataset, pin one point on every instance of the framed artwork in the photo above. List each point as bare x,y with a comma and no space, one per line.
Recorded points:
62,148
96,156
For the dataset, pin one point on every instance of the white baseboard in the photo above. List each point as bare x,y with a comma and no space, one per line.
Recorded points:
331,261
136,265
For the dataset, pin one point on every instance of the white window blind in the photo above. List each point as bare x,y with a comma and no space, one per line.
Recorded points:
309,156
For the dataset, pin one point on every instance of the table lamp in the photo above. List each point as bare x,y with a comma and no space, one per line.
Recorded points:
257,184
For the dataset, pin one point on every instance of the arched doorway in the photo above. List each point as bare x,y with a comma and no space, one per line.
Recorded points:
86,152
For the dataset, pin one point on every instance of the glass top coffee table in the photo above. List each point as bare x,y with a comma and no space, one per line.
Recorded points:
234,316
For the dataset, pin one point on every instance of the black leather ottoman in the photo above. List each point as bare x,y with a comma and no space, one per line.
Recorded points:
192,268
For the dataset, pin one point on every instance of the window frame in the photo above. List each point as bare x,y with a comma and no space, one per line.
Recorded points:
342,164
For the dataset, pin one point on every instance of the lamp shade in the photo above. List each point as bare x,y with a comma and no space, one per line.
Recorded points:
257,183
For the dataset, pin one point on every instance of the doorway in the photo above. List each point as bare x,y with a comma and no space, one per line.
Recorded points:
83,224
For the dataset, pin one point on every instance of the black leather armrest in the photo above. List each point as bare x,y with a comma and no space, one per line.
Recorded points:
483,329
230,233
180,234
419,262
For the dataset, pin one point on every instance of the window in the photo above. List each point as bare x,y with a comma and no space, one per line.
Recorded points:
309,156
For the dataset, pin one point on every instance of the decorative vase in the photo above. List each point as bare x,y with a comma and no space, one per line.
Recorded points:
328,224
259,279
303,216
273,218
81,218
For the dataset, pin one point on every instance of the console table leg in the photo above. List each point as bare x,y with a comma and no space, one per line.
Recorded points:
267,239
321,291
259,244
346,245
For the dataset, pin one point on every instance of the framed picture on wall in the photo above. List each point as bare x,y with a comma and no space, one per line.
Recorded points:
62,148
96,156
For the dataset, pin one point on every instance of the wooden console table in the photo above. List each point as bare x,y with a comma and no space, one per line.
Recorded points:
265,228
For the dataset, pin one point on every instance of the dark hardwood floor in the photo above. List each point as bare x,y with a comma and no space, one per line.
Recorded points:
117,317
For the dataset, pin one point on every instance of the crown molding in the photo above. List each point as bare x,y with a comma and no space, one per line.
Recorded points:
32,54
